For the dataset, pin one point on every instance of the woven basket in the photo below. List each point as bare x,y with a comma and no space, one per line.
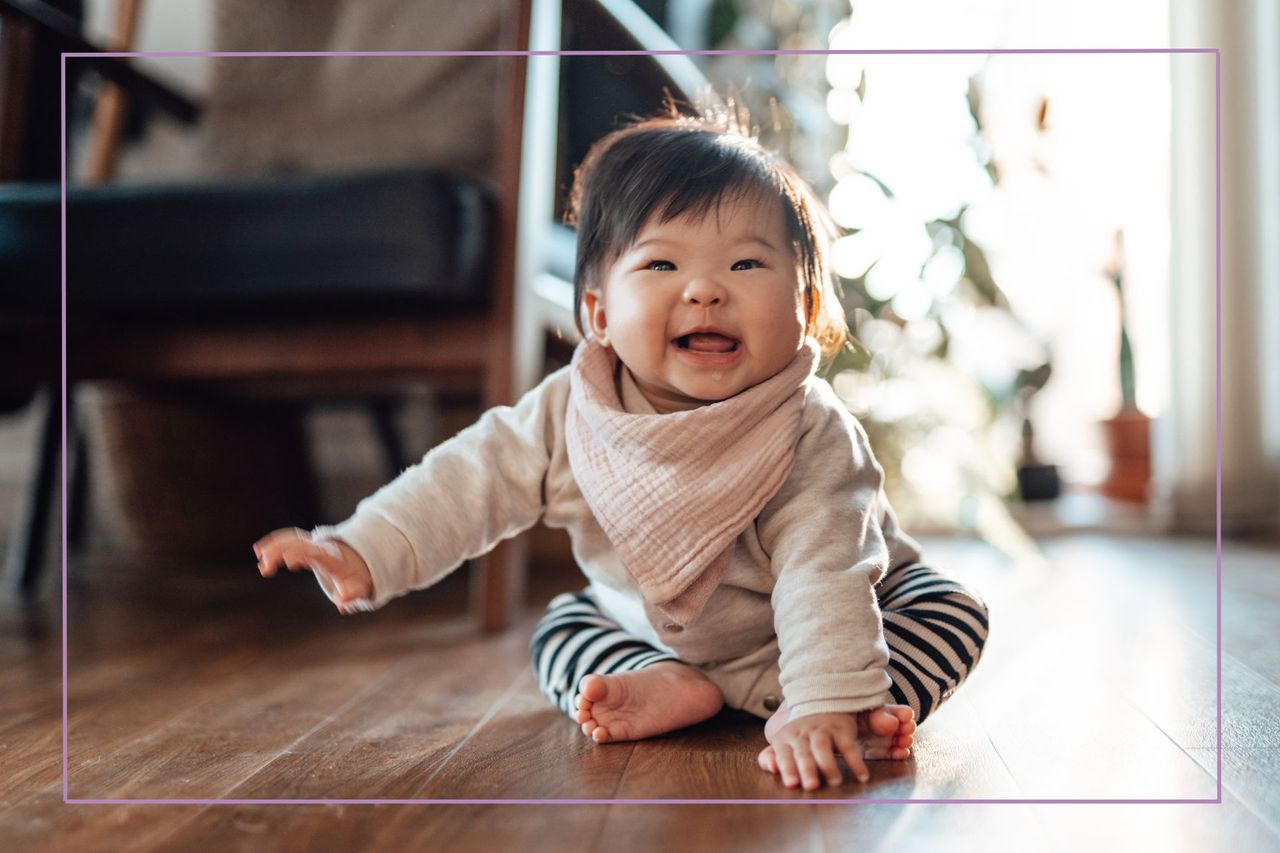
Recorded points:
180,474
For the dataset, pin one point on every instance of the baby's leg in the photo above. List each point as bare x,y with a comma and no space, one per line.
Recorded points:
935,628
617,687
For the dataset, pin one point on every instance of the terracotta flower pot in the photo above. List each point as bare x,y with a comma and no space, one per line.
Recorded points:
1129,446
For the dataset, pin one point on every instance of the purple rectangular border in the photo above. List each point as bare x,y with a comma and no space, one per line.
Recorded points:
1217,55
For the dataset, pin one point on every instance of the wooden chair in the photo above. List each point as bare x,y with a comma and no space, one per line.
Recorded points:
496,343
473,340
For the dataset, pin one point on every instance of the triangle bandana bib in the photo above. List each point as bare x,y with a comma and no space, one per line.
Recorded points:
674,491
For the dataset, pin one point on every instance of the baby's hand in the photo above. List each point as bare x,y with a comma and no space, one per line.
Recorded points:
296,550
810,744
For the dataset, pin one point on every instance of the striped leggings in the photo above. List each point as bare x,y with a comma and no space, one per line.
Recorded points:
935,628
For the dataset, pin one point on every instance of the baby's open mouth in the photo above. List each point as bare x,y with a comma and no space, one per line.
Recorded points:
707,342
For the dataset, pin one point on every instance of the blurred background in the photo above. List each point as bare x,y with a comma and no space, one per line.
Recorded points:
277,266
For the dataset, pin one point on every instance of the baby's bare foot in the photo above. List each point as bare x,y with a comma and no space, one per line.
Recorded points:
886,732
644,703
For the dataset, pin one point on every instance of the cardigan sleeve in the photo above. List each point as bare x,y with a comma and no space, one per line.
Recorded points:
466,495
827,552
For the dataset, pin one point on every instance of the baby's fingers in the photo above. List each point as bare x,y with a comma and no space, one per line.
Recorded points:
269,549
786,765
825,757
852,752
298,553
807,767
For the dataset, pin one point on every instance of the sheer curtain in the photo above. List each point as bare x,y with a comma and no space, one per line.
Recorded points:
1248,36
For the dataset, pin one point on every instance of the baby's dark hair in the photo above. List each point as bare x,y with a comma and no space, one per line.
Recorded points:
677,164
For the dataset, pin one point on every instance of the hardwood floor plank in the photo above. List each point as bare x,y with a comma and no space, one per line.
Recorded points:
401,730
529,750
1050,699
125,698
30,758
1251,604
1092,745
953,758
140,713
712,760
1229,827
278,827
118,682
958,828
391,828
200,737
1178,690
634,828
1252,776
205,752
42,822
491,827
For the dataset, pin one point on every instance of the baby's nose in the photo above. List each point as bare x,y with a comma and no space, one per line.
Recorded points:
703,300
702,291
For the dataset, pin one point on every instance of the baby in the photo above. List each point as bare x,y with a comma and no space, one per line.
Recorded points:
723,503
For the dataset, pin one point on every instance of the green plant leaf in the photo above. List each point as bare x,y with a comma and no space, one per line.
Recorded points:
722,18
978,271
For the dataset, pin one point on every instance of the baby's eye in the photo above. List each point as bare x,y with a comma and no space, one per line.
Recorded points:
660,266
746,264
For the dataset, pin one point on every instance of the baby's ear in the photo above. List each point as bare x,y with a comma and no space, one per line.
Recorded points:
596,320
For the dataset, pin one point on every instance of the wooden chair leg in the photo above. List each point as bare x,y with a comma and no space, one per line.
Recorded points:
497,584
383,412
26,555
109,114
78,479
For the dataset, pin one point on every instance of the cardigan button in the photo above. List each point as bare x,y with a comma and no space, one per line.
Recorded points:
771,703
672,628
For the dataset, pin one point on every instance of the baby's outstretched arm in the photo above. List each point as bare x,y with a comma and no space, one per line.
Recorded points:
296,550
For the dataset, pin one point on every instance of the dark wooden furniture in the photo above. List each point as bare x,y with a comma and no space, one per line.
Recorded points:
462,285
125,322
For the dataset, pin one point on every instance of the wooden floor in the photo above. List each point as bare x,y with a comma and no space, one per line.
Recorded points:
203,681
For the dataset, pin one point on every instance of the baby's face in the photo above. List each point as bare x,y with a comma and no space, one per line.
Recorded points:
734,272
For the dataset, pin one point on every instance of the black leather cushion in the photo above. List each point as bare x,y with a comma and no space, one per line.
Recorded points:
364,242
29,259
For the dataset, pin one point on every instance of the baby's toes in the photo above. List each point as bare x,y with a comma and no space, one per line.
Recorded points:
890,719
905,716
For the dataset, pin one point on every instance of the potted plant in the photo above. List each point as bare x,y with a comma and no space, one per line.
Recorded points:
1037,480
1128,433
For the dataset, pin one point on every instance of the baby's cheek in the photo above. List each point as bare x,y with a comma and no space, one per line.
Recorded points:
652,321
648,335
630,322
